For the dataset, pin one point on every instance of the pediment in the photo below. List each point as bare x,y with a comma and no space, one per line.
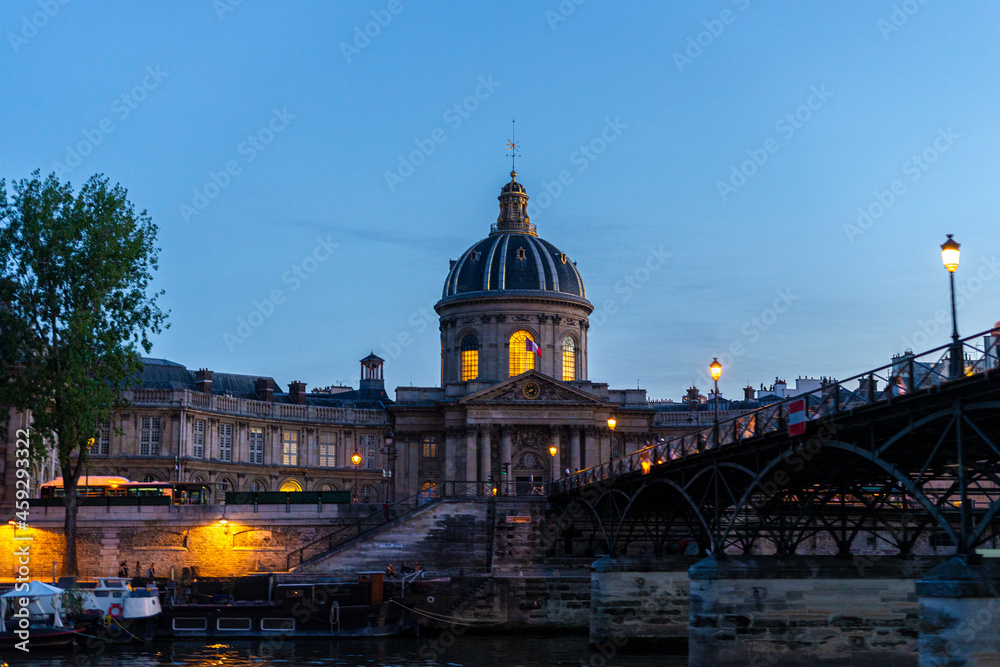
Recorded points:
512,391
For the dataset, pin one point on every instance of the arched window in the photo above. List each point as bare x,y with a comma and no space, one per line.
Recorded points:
146,479
521,358
368,494
569,359
290,485
257,485
470,358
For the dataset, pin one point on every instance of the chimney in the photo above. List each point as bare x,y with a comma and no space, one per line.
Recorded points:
297,392
203,380
748,393
264,388
868,387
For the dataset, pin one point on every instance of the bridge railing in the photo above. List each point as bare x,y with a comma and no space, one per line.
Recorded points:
905,374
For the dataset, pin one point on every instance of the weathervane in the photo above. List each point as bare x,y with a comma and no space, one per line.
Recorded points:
512,146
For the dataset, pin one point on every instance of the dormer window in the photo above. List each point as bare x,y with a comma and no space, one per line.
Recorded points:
563,258
474,256
521,255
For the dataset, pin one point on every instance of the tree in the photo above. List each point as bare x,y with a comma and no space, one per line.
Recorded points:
74,308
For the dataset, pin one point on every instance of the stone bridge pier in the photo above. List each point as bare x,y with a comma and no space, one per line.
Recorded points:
803,610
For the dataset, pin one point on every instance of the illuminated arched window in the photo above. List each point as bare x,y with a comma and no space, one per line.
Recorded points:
290,485
470,358
569,359
521,358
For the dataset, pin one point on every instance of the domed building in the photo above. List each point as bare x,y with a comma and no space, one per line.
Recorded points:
515,408
506,290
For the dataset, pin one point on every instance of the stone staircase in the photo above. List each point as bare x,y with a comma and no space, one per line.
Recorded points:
444,536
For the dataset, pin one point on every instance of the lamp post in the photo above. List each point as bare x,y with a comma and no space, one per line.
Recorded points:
356,460
390,451
949,257
553,451
716,369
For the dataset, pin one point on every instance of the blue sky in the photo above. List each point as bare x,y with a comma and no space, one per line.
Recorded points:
321,178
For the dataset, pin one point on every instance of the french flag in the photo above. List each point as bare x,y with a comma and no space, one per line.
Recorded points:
531,346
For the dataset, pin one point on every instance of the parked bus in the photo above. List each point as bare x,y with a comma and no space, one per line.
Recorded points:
94,486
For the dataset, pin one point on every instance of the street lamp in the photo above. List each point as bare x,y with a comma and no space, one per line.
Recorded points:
611,422
716,369
390,451
949,257
356,460
553,451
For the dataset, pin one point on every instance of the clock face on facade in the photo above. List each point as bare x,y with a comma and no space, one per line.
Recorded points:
531,390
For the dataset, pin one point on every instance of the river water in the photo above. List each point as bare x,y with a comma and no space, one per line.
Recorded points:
463,651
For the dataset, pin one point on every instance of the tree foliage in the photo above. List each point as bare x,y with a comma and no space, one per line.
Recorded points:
75,309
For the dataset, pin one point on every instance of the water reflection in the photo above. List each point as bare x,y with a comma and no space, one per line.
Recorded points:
508,651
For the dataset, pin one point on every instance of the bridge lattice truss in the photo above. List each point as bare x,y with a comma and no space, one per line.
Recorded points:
920,457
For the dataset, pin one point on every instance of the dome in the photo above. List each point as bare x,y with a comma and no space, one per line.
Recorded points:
512,257
513,261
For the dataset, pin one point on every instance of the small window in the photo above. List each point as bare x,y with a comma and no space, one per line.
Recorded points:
149,436
521,255
256,486
256,445
146,479
277,624
233,624
290,448
102,443
328,450
470,358
474,255
429,447
101,594
190,624
568,359
225,442
522,351
198,444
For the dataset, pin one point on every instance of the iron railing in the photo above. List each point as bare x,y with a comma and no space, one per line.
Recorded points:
904,375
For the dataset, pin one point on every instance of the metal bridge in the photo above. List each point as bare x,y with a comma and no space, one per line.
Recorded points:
917,458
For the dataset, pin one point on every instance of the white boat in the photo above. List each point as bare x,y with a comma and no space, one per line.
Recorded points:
126,612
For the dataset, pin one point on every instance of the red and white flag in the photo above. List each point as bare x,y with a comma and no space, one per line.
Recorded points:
797,417
531,346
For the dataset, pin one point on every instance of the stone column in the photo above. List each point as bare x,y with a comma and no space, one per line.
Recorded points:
484,455
958,612
574,448
450,456
590,447
471,435
505,458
